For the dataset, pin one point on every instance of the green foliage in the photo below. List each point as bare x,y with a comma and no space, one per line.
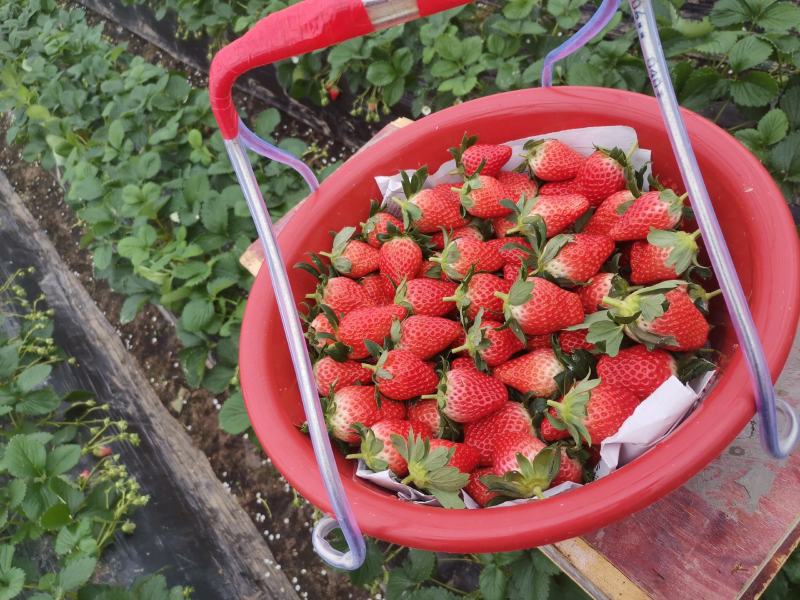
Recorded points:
47,509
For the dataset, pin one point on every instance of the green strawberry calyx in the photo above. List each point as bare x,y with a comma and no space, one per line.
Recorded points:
683,248
570,411
519,294
411,187
532,226
429,469
449,256
340,242
371,450
475,341
531,478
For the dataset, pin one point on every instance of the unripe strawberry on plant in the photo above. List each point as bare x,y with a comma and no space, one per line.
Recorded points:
512,417
637,369
352,258
552,160
589,413
532,373
602,174
665,255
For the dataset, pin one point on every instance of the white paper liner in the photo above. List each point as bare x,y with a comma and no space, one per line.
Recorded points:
655,417
582,140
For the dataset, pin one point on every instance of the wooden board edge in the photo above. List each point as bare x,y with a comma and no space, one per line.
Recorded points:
769,569
592,571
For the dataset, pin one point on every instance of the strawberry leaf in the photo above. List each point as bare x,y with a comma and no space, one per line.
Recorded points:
606,335
520,292
653,306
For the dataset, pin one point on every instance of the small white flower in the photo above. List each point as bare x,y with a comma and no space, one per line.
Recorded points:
173,216
426,110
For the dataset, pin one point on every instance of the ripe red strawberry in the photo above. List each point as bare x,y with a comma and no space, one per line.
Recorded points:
552,160
393,409
477,490
560,188
330,373
481,195
682,325
536,342
570,341
505,459
437,239
557,212
599,287
493,345
378,288
400,375
400,258
349,405
461,255
512,417
580,257
321,325
637,369
463,362
343,295
352,258
590,412
652,210
468,395
426,336
374,324
431,209
516,185
465,457
602,174
608,213
511,272
493,157
427,413
378,450
507,246
539,306
426,296
532,373
478,293
666,255
378,224
431,270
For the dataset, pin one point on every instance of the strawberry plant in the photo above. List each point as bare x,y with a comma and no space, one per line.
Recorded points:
65,493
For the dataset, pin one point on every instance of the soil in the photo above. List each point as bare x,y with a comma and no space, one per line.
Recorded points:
284,518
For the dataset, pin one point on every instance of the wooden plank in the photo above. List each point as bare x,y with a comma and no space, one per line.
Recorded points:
213,543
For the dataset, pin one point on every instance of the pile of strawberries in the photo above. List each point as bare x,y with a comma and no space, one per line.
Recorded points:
492,338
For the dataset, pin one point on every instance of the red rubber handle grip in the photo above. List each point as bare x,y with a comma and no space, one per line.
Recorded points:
303,27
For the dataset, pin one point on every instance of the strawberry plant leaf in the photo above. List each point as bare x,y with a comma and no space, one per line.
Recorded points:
493,582
420,565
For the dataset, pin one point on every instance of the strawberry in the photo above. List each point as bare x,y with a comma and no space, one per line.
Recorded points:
557,212
392,409
468,395
374,324
352,258
487,343
560,188
481,196
652,210
379,289
598,288
477,490
321,332
377,448
330,373
602,174
524,467
426,336
468,231
429,209
537,342
570,341
536,306
609,212
491,156
665,255
426,296
478,293
510,250
400,258
511,272
465,457
637,369
378,224
463,362
512,417
590,412
431,270
516,185
461,255
552,160
439,467
532,373
662,315
578,256
426,412
349,405
343,295
400,375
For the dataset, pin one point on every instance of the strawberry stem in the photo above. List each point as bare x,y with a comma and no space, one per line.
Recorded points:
694,235
710,295
537,491
613,302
